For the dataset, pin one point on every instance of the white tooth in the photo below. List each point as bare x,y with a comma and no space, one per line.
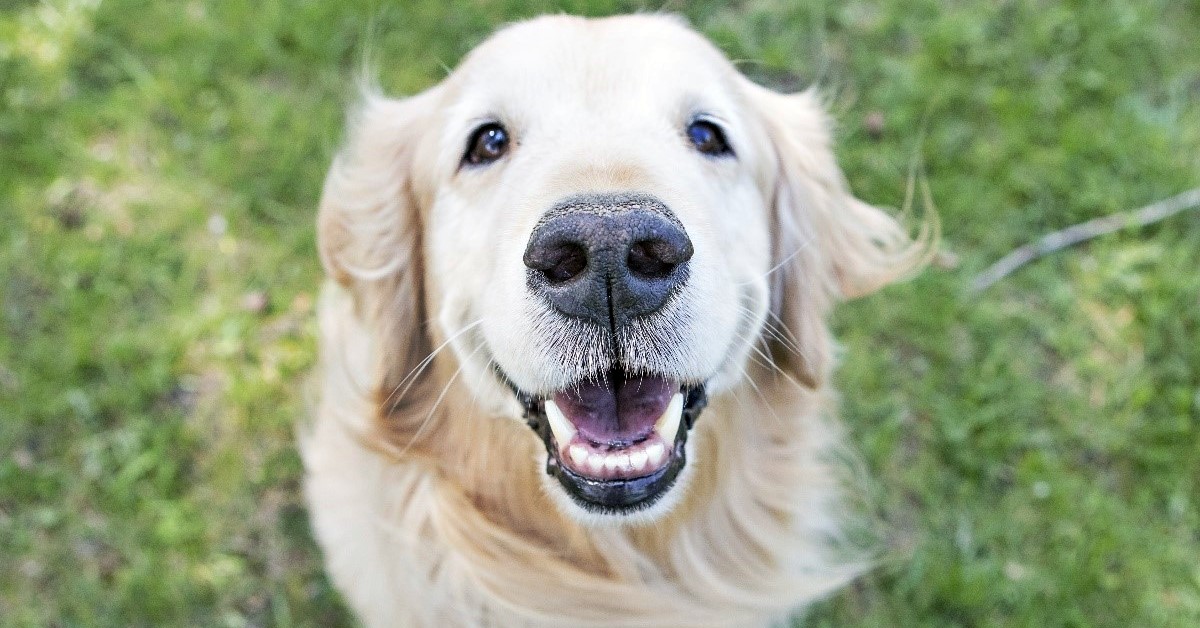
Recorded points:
668,424
610,463
655,453
623,462
579,455
562,428
638,460
595,463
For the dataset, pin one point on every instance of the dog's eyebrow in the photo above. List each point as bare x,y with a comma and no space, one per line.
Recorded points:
695,105
474,122
709,116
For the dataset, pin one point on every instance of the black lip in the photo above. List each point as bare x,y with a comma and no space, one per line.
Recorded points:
615,496
620,496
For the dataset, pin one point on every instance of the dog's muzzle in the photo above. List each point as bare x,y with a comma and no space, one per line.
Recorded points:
615,439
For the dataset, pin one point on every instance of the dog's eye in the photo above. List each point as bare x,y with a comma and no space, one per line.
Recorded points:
708,138
488,143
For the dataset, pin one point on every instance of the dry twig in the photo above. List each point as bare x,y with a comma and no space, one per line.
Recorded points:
1075,234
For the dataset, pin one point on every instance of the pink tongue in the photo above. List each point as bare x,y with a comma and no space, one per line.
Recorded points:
615,410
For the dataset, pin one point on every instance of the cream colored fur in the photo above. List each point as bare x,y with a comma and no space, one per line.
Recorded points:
427,491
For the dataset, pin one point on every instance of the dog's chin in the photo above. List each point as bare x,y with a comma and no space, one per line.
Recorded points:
646,513
616,443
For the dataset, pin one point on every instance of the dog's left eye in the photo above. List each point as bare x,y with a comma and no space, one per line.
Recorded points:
487,144
708,138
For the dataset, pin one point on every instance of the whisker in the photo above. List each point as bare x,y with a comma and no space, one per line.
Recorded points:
419,368
785,332
766,360
772,332
784,262
437,402
787,339
745,376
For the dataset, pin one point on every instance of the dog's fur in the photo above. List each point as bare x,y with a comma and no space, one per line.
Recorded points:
427,491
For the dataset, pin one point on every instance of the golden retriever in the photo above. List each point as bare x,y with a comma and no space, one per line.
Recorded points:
600,230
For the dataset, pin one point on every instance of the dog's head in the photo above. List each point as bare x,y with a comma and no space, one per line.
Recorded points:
605,222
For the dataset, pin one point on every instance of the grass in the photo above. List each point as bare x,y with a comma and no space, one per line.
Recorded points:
1033,453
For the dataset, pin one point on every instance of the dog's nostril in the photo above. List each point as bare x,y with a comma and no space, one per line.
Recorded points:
646,259
655,259
563,263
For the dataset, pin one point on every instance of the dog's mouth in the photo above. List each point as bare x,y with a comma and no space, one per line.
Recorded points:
615,440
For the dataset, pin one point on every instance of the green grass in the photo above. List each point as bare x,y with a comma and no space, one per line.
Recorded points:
1033,453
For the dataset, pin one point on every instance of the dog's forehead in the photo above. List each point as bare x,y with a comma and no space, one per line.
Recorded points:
609,58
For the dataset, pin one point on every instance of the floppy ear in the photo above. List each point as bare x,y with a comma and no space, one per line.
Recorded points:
369,237
827,244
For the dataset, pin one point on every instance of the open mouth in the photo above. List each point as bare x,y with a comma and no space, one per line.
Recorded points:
616,440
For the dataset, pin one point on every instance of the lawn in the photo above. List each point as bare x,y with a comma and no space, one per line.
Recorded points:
1030,456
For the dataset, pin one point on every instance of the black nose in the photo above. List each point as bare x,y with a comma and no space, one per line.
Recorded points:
608,258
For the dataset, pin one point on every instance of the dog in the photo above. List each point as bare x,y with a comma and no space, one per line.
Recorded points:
574,363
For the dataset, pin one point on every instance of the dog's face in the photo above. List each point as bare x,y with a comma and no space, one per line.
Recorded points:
601,217
597,210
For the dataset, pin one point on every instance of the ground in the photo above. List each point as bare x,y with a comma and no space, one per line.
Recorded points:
1029,456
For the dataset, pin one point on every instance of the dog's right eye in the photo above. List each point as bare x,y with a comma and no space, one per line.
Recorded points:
708,138
487,144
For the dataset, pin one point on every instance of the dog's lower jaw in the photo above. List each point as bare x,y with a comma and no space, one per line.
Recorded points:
631,490
648,512
618,497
